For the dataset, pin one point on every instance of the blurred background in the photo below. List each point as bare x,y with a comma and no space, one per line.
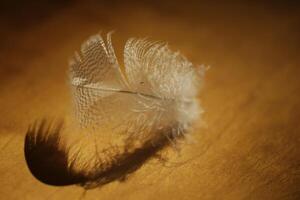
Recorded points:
249,145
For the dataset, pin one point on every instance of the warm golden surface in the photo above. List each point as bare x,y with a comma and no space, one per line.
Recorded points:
250,146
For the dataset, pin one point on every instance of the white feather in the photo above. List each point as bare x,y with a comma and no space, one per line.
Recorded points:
160,89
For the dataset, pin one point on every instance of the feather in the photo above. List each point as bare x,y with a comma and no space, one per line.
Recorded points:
157,91
154,101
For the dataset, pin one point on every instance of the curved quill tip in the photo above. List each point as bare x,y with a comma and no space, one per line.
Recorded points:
46,158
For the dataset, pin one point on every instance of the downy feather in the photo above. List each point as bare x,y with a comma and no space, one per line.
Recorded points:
157,91
152,103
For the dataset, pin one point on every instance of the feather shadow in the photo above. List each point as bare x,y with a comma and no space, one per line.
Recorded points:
47,158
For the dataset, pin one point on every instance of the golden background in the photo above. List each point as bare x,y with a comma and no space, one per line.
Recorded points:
249,147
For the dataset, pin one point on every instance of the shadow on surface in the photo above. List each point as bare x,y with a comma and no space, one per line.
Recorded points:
47,158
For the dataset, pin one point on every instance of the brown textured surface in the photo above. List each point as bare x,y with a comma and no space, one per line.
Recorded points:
250,146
